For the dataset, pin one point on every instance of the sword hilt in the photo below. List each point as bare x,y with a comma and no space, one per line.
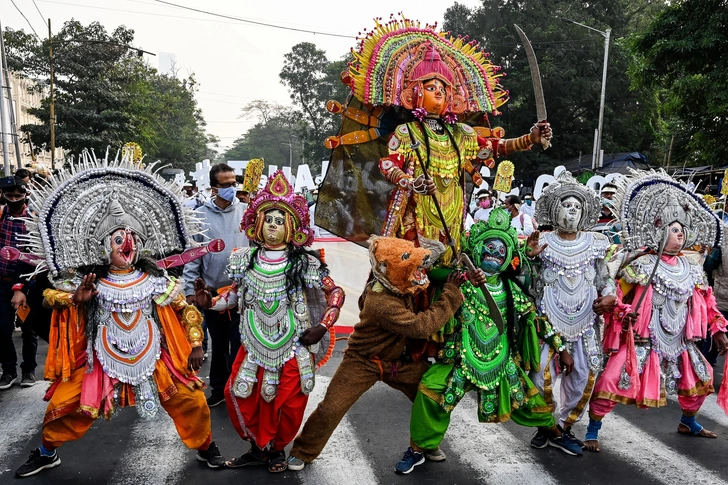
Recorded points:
544,143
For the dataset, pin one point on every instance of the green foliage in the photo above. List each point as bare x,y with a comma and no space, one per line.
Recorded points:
683,53
276,127
312,80
106,96
571,60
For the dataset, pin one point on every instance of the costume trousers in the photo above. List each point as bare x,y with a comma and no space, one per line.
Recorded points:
690,405
8,357
576,388
262,422
63,421
224,331
429,421
352,379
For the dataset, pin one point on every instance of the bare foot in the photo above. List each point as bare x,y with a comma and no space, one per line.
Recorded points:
704,433
592,445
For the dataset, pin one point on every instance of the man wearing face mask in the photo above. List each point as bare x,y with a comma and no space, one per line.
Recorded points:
520,221
573,286
11,289
485,205
222,215
528,206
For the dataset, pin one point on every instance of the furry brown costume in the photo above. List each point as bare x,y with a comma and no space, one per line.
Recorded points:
376,349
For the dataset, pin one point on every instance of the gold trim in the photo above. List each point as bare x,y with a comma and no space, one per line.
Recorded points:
576,412
548,392
429,393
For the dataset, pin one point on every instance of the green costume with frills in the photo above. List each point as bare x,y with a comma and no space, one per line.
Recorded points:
475,356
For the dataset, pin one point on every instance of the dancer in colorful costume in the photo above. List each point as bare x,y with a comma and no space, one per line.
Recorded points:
377,347
663,305
121,332
288,306
477,356
413,88
573,286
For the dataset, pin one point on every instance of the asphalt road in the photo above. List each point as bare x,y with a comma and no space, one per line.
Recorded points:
638,446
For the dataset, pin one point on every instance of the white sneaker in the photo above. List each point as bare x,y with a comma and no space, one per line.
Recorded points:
437,455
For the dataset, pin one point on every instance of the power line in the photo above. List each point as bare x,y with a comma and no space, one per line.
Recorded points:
263,24
39,13
26,19
197,19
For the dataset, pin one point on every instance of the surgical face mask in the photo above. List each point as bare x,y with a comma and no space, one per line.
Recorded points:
227,193
15,205
484,203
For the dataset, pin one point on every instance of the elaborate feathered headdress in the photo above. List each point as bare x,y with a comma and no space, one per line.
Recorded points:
649,202
395,58
547,205
498,226
77,209
278,194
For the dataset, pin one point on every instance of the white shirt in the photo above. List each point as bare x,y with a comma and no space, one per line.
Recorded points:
482,214
529,210
523,225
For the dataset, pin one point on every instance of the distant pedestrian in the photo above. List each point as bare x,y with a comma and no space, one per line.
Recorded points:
12,296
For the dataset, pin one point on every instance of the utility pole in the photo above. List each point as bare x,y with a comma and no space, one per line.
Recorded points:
606,34
3,127
11,110
52,108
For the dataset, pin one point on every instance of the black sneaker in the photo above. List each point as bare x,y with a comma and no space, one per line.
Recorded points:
215,400
7,380
212,456
540,439
37,462
573,438
28,380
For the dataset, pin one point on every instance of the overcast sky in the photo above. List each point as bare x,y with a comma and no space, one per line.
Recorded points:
233,62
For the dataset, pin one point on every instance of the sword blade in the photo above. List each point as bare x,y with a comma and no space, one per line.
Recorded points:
535,75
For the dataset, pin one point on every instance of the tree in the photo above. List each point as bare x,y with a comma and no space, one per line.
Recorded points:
267,139
312,80
105,95
684,54
570,59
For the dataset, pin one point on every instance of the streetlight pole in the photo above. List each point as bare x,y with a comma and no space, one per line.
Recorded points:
52,119
606,34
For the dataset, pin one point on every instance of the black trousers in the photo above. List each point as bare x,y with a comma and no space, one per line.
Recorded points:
224,333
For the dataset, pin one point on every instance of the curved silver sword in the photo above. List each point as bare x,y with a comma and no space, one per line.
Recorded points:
535,80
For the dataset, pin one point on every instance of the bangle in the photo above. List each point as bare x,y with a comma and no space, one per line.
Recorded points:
18,287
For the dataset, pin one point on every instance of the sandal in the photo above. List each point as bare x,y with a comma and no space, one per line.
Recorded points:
251,458
277,461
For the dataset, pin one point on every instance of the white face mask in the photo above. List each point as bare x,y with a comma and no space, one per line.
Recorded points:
569,214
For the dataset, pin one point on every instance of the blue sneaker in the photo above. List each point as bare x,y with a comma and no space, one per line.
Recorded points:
409,461
565,444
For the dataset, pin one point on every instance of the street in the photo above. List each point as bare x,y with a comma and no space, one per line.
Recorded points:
638,446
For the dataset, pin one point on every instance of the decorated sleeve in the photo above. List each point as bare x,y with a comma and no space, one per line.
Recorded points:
315,273
335,297
468,142
547,333
393,167
716,320
613,319
165,294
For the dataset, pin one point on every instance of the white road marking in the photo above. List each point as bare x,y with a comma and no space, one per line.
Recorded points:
341,459
155,454
22,411
491,450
